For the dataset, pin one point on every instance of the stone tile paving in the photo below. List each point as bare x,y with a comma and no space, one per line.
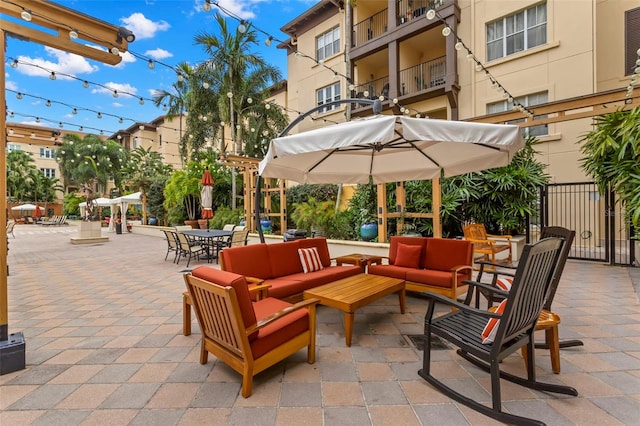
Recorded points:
103,330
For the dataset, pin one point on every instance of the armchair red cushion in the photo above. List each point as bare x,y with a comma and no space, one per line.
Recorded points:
240,286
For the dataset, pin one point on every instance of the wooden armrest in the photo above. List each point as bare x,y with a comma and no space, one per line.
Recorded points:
500,237
253,280
261,291
311,303
459,268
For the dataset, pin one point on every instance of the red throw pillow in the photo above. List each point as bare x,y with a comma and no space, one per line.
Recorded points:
408,256
490,330
310,259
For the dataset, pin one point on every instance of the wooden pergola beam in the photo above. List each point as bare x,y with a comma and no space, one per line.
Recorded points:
62,20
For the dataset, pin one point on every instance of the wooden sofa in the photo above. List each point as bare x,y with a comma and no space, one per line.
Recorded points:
278,265
438,265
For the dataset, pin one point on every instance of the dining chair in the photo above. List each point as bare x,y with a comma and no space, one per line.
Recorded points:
188,248
172,244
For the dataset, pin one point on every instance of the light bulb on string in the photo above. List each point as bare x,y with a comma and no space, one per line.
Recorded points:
26,15
478,67
114,51
61,126
206,6
141,101
151,64
459,45
48,103
85,84
115,94
37,119
352,87
164,107
205,85
52,76
431,14
180,77
74,111
446,31
14,63
268,41
242,28
73,34
99,116
229,95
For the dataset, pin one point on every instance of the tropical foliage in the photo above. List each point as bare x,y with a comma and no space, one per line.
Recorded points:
612,158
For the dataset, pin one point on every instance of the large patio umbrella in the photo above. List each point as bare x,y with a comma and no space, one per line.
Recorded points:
386,148
26,207
390,149
206,194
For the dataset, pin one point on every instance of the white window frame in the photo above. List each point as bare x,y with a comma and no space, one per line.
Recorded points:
48,153
328,44
50,173
529,100
13,147
503,34
328,94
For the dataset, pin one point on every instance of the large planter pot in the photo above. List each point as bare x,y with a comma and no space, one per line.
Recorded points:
265,224
152,221
203,223
192,223
369,231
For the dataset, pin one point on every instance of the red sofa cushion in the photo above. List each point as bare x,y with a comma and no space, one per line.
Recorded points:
281,330
395,240
284,259
240,286
430,277
251,260
321,244
324,276
390,271
408,256
442,254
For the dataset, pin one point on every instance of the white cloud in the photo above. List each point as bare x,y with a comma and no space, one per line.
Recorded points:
123,89
143,27
61,62
34,123
10,85
238,8
158,53
117,105
127,58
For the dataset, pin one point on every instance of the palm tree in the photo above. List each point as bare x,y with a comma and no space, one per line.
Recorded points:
143,167
20,166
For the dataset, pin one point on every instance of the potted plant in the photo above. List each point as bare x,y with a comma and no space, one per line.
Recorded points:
183,189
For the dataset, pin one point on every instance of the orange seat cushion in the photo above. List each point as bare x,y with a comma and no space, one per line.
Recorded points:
240,286
431,277
390,271
281,330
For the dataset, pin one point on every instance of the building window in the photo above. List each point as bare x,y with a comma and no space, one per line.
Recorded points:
328,94
50,173
517,32
13,147
328,44
528,101
47,153
632,39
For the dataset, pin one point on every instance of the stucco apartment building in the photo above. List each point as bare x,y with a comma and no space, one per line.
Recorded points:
539,51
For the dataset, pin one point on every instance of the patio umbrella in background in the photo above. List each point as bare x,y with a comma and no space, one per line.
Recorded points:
25,207
206,194
38,212
387,148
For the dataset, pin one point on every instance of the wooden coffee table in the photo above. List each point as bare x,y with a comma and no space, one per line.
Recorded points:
361,260
352,293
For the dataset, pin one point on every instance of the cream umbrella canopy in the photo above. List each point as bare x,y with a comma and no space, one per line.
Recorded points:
386,148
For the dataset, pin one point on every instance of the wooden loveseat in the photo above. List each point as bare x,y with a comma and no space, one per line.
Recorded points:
438,265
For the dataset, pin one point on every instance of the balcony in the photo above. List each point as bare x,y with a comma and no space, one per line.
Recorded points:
426,75
408,10
372,27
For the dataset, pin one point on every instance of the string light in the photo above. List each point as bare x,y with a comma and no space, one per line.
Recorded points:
26,15
52,76
73,34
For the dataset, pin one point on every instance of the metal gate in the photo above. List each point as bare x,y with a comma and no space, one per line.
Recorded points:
602,233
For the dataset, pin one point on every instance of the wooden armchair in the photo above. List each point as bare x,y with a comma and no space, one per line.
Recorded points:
486,338
487,245
248,336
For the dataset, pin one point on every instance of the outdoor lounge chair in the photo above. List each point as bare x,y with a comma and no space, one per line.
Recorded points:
10,225
487,245
248,336
548,320
471,330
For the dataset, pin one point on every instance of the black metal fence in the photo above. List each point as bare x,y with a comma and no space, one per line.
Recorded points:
602,232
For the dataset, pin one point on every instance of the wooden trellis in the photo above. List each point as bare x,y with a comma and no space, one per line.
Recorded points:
249,168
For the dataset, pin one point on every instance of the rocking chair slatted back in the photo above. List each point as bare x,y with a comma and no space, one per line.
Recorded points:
530,285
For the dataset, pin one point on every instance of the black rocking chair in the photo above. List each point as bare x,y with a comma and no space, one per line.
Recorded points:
464,327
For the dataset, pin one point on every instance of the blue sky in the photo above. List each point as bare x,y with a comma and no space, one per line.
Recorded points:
164,31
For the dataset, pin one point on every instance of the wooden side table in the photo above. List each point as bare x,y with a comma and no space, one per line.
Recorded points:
361,260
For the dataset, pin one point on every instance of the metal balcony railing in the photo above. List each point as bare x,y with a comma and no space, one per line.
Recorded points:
423,76
413,9
373,89
372,27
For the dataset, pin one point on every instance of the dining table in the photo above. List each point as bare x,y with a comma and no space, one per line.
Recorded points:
211,238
